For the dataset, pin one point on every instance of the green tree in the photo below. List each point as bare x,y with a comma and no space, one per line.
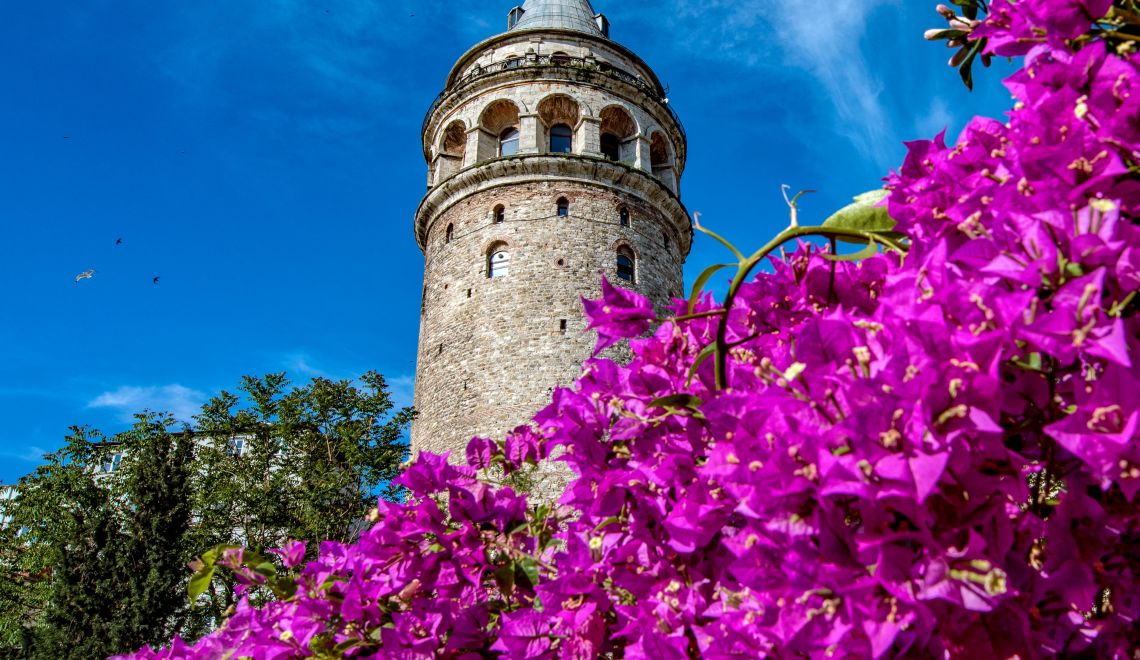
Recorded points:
95,561
312,461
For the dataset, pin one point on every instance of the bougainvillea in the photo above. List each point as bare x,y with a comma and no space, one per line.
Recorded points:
925,455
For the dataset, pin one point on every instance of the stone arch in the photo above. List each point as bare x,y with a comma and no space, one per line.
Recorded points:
497,259
616,133
625,244
661,159
495,243
451,150
498,117
559,110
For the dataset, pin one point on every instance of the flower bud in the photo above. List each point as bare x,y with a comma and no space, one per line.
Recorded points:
945,12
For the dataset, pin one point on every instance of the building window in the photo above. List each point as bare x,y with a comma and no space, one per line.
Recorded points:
111,463
611,146
561,139
509,142
561,59
498,263
499,214
450,234
235,446
563,207
664,240
623,216
625,266
513,17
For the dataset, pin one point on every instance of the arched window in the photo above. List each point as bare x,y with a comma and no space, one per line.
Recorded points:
611,146
509,142
625,266
499,214
561,139
563,207
623,216
450,234
498,262
665,240
560,58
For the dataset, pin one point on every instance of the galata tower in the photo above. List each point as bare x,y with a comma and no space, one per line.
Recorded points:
553,157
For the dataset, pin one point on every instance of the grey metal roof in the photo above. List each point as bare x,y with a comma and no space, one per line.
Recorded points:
575,15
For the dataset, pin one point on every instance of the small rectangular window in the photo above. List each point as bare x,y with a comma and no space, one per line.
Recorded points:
562,326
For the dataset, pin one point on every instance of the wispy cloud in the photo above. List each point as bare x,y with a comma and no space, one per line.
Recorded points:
301,364
401,388
30,454
938,117
824,38
182,402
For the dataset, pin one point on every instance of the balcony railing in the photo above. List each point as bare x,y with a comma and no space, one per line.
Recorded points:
564,62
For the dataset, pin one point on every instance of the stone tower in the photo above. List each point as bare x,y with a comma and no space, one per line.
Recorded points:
553,156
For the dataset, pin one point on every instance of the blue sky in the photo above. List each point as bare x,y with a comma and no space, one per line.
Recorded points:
262,157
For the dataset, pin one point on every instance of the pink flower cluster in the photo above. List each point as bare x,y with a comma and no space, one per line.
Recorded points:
929,456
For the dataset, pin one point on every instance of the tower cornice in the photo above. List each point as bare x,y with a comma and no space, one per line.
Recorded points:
527,168
475,51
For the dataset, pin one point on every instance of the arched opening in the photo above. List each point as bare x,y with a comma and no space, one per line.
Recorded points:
559,115
661,159
626,265
664,240
452,148
499,214
509,142
561,139
561,59
611,146
498,261
500,130
563,207
617,129
449,234
623,217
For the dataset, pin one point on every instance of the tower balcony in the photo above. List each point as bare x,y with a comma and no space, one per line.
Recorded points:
579,70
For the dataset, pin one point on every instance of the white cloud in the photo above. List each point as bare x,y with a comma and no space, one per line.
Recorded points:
401,389
300,364
30,454
938,117
821,37
182,402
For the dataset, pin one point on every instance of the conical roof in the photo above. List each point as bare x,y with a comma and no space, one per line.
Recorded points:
575,15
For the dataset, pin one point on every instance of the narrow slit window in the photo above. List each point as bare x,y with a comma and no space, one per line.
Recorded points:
623,217
450,234
500,214
562,326
563,207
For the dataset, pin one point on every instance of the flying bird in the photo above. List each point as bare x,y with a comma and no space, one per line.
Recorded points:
118,241
154,280
87,274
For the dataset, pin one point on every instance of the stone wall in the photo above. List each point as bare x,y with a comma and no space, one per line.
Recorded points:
492,350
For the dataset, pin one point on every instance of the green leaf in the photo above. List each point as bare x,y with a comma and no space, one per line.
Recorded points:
529,569
702,279
677,401
966,68
605,523
862,216
200,581
870,250
706,353
723,242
